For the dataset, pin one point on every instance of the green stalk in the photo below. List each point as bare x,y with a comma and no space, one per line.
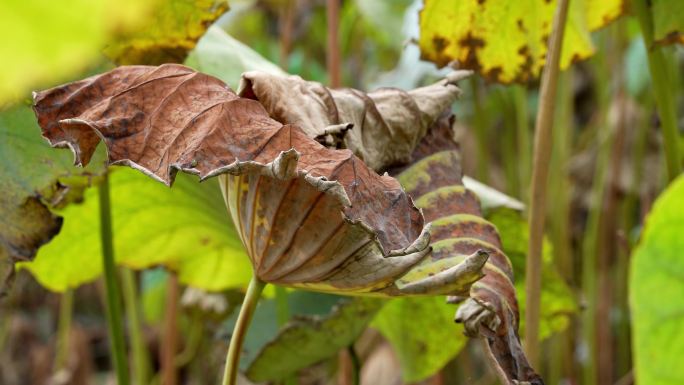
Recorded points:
661,81
169,343
543,143
112,298
282,305
141,363
355,364
283,315
523,136
593,262
193,341
509,152
66,308
559,217
480,125
256,286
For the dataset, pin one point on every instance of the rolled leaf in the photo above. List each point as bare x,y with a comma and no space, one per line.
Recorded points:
435,182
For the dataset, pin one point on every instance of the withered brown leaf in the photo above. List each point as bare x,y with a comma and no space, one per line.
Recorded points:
434,180
387,123
309,216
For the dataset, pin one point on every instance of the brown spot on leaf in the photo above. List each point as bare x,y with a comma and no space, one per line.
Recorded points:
439,43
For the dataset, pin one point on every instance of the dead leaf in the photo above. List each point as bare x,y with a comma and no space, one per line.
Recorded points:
434,181
309,216
380,127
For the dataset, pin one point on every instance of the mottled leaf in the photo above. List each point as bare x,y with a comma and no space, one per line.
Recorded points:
506,40
306,340
668,21
219,54
309,216
34,180
170,31
656,289
185,228
422,332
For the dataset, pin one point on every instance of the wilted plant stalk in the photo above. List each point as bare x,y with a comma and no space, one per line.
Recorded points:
540,170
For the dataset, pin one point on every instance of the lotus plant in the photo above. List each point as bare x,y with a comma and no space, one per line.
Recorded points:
299,167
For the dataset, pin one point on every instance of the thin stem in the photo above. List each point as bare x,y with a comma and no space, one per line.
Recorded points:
594,224
542,154
141,362
661,80
286,25
480,123
169,345
66,307
282,305
559,217
523,136
333,58
256,286
193,340
113,296
355,365
283,315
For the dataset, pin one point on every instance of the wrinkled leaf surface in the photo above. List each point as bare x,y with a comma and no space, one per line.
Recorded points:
309,216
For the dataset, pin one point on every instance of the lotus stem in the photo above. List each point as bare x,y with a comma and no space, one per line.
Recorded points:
356,365
256,286
113,296
333,57
661,80
169,344
141,362
66,308
543,142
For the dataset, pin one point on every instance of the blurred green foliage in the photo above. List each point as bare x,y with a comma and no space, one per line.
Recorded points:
656,292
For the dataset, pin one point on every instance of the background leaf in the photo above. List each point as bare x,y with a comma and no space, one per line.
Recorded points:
656,290
185,228
668,21
220,55
505,41
423,333
306,340
557,300
34,178
172,29
47,41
